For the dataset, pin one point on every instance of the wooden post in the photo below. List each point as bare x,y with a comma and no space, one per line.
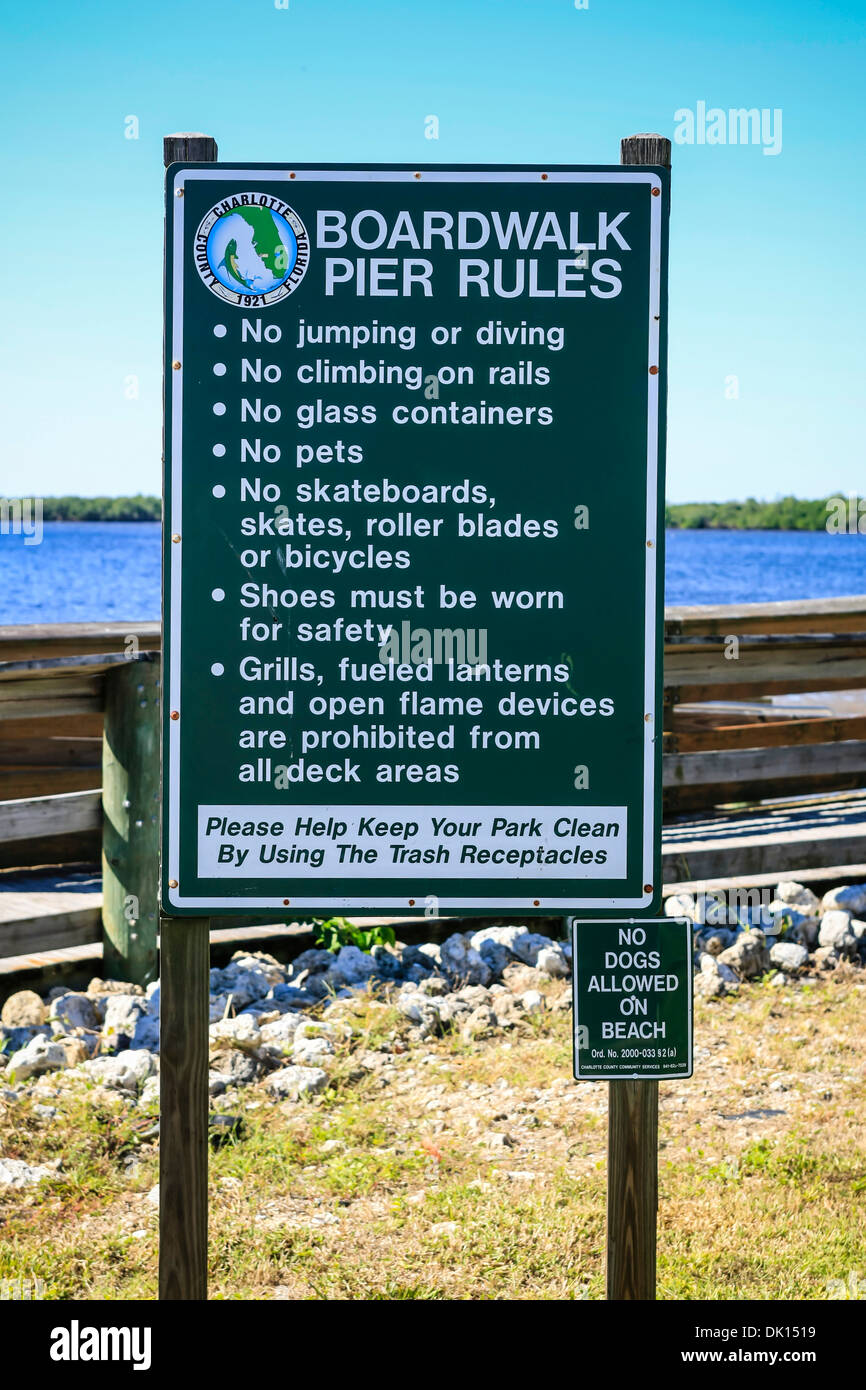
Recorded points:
183,1106
632,1189
184,953
130,832
632,1136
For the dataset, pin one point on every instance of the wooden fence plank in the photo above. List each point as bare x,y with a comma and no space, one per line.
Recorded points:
58,726
756,764
41,640
50,931
788,733
846,614
50,752
50,815
25,782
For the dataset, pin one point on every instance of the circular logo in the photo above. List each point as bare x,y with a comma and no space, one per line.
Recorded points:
252,249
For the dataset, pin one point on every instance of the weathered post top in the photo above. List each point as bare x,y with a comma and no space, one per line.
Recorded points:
188,147
645,149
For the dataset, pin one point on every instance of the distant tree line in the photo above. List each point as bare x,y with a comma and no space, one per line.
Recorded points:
138,508
784,514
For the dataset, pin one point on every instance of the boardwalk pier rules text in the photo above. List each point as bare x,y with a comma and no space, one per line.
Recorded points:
414,437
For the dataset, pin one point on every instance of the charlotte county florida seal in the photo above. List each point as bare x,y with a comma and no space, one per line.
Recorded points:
252,249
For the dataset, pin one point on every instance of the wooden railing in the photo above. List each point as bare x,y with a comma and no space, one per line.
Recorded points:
716,754
63,782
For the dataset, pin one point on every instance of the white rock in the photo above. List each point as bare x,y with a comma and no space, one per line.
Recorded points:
126,1072
313,1028
74,1011
528,946
532,1001
282,1031
39,1056
709,965
417,1007
463,962
146,1034
150,1091
797,895
351,967
681,905
245,986
311,1050
801,930
851,898
788,956
551,960
122,1014
748,956
835,929
14,1172
262,963
152,995
292,1082
153,1196
779,979
242,1031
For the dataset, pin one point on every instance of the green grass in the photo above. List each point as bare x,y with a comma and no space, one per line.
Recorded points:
394,1192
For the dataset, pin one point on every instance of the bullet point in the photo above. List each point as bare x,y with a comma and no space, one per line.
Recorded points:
219,450
218,595
219,330
217,668
219,490
219,368
219,408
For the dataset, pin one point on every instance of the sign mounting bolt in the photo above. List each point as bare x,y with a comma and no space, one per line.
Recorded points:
654,371
175,366
655,192
178,193
175,714
172,883
175,539
647,888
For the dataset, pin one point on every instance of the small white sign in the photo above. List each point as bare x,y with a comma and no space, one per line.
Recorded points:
514,842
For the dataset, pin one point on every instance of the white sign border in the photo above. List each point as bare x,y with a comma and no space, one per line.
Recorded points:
555,906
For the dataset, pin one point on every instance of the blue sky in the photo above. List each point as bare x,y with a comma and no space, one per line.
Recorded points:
767,280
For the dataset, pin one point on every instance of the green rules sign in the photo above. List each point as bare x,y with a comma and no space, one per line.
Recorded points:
414,525
632,999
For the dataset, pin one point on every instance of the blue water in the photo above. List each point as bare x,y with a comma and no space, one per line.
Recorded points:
99,571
